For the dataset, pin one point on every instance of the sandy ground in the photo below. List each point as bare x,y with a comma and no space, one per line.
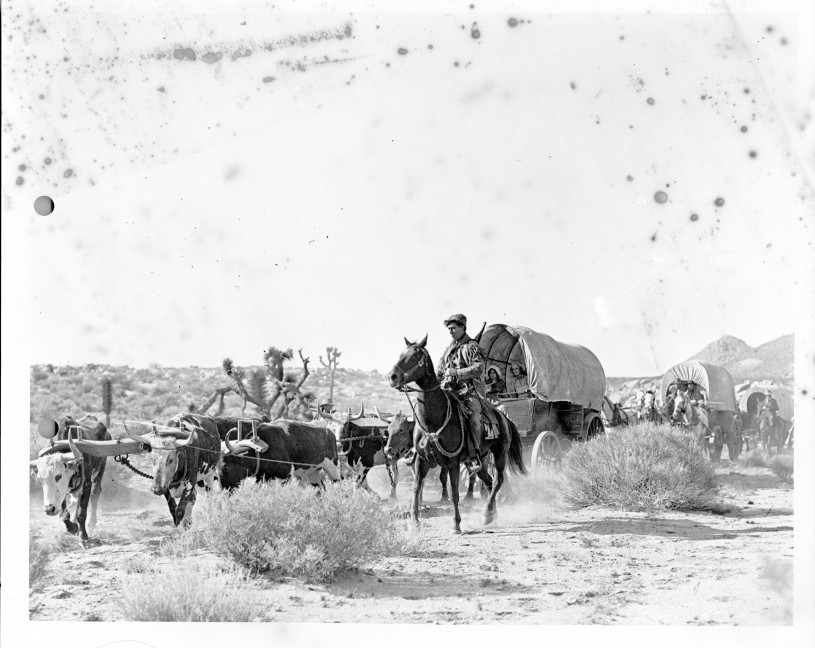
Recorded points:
535,565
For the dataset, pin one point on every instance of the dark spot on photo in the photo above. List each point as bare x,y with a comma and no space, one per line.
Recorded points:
650,101
769,29
268,79
161,89
743,129
753,154
747,91
402,51
694,217
512,22
629,178
783,41
719,201
661,197
573,85
653,237
21,167
47,160
44,205
430,46
20,180
475,32
68,173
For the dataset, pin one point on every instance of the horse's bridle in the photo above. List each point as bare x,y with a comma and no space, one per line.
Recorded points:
407,377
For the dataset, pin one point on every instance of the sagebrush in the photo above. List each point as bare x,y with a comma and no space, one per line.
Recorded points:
644,467
190,593
288,529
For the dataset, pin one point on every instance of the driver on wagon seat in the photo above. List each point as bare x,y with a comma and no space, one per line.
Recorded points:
461,370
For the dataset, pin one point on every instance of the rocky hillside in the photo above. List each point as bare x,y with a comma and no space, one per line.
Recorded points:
772,360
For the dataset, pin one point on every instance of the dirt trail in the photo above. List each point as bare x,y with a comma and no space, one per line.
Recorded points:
536,565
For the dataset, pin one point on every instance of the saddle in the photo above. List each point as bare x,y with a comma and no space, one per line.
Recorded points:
489,415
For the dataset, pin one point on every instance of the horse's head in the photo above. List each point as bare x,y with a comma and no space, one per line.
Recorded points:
683,409
414,364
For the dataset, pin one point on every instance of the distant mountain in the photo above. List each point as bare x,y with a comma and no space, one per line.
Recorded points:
772,360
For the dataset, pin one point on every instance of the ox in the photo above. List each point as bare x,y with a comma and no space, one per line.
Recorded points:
279,450
189,449
363,441
69,478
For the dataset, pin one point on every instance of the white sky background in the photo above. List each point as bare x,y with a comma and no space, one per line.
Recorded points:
357,201
363,195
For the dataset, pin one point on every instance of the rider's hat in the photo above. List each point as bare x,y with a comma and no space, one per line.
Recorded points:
458,318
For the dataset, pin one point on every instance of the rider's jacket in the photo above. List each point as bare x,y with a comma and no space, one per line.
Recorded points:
466,356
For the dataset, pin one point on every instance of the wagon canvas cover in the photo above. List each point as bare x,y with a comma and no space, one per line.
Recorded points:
782,395
556,371
715,380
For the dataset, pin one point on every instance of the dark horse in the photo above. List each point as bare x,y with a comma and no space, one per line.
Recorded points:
440,431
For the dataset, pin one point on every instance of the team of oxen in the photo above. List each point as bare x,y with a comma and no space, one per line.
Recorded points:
194,451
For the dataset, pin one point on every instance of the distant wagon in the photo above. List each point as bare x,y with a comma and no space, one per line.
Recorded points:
721,396
751,400
564,389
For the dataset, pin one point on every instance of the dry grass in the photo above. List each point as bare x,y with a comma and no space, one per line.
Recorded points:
190,594
755,459
782,466
645,467
39,556
286,529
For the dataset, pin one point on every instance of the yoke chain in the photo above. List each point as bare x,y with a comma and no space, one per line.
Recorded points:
123,459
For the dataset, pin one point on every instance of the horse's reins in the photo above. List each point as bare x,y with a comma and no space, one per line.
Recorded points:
433,437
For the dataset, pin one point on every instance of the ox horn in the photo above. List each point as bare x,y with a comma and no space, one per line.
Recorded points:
141,438
183,443
320,411
74,450
361,412
229,447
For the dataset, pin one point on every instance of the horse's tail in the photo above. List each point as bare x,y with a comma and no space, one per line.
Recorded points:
516,456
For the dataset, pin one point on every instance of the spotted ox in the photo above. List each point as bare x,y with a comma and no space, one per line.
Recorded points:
279,450
189,451
70,480
363,441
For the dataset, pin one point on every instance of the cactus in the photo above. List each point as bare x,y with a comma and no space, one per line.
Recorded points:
107,399
332,354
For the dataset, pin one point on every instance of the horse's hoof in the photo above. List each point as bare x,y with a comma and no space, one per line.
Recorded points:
456,531
489,518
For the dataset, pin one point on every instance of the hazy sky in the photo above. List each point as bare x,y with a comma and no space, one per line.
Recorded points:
349,178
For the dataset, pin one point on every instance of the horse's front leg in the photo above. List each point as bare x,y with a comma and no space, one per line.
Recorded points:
454,471
420,469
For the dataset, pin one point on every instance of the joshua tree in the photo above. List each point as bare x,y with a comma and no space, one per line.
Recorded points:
263,388
107,399
332,354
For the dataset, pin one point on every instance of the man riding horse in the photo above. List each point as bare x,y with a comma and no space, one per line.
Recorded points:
461,371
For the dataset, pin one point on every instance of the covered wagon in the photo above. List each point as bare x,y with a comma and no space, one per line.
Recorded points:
552,391
751,400
720,392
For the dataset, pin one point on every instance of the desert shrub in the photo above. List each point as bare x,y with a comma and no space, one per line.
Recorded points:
294,530
645,467
189,593
782,466
754,459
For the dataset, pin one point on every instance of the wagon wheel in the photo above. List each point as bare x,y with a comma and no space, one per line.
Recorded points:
717,439
546,451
